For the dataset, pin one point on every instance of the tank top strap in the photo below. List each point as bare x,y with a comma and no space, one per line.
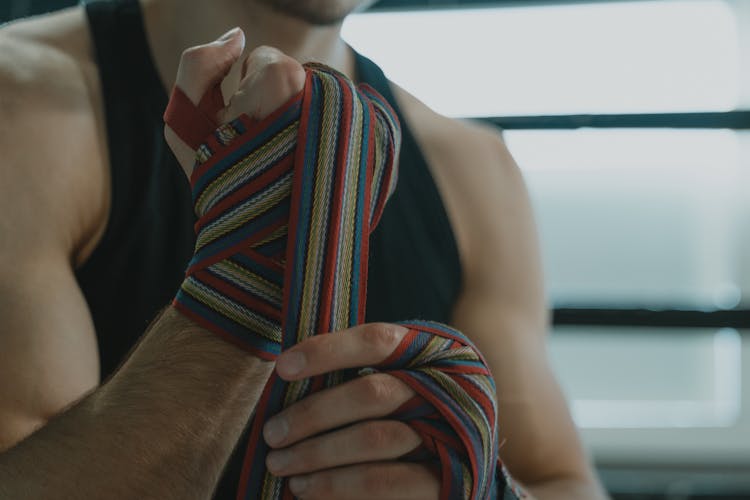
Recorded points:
122,48
414,217
140,260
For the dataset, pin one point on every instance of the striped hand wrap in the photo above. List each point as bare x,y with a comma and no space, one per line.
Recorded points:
285,208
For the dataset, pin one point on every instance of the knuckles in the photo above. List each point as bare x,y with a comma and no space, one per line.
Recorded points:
270,79
285,73
383,435
199,66
270,66
264,54
379,388
382,391
383,338
270,76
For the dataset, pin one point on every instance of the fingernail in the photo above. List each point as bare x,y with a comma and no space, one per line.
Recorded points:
298,484
291,364
229,35
275,430
277,460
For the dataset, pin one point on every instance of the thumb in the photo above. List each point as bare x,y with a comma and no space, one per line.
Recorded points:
204,66
202,69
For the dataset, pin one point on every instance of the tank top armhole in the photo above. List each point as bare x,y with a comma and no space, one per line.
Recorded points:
101,17
370,72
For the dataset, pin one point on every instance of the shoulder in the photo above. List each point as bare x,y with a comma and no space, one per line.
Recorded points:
483,189
49,127
448,135
477,176
46,57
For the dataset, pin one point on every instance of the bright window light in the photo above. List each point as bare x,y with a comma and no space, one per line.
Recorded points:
659,56
619,379
638,218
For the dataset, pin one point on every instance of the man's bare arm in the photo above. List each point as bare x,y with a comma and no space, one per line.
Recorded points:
164,425
503,311
502,306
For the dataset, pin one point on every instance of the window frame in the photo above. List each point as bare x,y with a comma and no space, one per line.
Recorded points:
736,120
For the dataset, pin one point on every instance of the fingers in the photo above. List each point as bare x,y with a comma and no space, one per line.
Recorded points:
201,68
362,345
390,480
372,396
370,441
270,79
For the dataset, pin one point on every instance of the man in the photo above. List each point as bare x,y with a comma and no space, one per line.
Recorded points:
94,223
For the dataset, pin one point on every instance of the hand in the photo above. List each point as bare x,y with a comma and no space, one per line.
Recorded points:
268,78
358,458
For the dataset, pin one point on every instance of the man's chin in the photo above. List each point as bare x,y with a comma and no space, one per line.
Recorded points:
318,12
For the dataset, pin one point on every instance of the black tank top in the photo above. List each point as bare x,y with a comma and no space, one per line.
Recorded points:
139,263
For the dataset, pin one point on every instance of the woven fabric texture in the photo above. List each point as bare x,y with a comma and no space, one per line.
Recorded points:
285,208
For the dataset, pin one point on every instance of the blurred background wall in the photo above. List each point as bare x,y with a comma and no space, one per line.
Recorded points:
629,121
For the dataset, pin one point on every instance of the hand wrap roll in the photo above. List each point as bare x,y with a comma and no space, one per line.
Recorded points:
285,208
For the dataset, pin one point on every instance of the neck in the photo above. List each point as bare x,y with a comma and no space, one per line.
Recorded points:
174,25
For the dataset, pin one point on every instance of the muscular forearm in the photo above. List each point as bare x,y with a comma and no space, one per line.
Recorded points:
162,427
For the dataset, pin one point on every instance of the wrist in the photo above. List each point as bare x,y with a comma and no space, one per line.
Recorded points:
177,356
199,350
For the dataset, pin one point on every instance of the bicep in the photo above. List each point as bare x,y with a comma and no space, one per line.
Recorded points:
48,352
538,436
47,339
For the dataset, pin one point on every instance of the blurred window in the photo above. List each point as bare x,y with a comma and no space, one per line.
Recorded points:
644,221
638,218
629,57
630,218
